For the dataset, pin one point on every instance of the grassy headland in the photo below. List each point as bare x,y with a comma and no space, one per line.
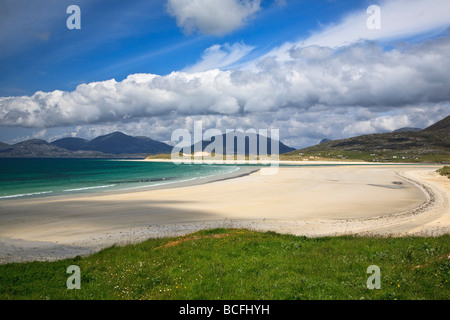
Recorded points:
430,145
242,264
445,171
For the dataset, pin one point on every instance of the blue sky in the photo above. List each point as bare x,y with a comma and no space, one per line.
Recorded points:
118,39
154,50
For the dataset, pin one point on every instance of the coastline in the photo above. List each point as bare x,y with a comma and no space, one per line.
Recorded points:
263,162
126,184
310,200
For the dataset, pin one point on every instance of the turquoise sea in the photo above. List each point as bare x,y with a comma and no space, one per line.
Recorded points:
25,178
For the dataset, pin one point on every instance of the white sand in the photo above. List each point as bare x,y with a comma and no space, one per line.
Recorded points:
312,201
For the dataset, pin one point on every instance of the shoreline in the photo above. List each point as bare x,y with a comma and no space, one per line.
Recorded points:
96,191
312,201
244,166
279,162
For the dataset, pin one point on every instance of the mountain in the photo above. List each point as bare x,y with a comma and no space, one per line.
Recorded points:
4,145
112,145
36,148
72,144
239,136
434,140
325,141
120,143
440,127
407,129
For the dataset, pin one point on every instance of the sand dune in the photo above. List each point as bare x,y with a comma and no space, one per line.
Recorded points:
311,201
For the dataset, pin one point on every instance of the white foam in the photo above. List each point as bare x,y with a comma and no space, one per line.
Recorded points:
25,194
159,184
90,188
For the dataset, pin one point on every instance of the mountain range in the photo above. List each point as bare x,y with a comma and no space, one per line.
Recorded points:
113,145
433,140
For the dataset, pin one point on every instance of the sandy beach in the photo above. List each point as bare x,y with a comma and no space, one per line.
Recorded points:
313,201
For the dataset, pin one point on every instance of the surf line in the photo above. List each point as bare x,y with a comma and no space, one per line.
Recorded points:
89,188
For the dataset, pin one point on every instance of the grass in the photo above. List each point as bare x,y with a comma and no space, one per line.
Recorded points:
242,264
445,171
159,156
390,157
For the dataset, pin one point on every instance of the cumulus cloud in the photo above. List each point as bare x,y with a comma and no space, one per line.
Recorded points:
298,128
333,84
360,75
212,16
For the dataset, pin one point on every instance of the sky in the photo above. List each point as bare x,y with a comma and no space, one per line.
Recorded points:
312,69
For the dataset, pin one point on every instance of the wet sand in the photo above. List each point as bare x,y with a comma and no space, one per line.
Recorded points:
307,200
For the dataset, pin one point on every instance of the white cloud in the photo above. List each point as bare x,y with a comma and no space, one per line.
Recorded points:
298,128
220,57
212,16
313,89
400,19
361,75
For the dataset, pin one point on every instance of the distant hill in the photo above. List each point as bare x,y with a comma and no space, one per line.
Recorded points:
4,145
72,144
116,144
34,148
239,136
434,140
407,129
120,143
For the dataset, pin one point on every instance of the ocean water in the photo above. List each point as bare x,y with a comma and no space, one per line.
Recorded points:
25,178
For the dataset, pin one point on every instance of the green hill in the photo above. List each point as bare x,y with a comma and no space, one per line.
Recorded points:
429,145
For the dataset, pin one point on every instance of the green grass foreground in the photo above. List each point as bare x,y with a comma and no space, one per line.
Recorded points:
242,264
